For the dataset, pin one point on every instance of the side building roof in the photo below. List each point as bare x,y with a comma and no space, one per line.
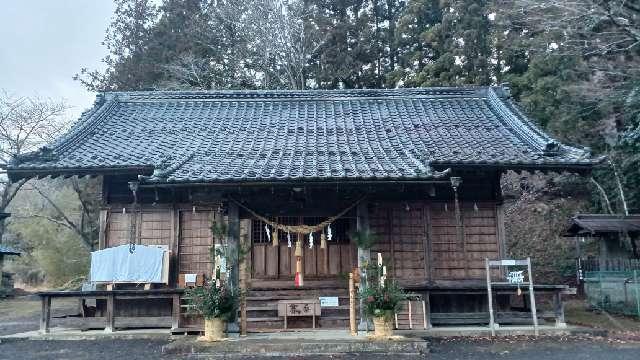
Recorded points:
240,136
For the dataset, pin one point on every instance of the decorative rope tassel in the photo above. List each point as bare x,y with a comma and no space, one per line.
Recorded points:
274,237
329,233
310,240
298,250
288,240
266,229
323,241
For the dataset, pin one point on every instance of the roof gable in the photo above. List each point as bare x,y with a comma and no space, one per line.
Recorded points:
221,136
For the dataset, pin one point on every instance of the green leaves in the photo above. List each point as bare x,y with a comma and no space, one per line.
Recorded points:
214,302
381,300
364,239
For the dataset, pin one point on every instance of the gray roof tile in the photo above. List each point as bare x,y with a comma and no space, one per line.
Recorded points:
275,135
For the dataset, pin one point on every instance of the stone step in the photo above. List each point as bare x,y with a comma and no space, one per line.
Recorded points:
267,324
290,346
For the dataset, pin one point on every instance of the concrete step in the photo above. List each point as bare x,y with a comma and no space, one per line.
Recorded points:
288,344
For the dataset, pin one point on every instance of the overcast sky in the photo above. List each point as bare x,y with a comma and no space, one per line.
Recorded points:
45,42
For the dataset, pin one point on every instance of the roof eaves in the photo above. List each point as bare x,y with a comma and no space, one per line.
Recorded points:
88,121
523,128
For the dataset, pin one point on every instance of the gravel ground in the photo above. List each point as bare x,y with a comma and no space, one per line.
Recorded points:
461,349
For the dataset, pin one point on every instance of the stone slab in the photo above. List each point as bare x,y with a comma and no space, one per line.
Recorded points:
298,344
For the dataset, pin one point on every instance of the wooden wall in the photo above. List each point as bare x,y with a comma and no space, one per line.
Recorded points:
185,232
269,262
419,240
455,259
401,231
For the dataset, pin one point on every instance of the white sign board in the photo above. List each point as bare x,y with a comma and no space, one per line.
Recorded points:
515,277
328,301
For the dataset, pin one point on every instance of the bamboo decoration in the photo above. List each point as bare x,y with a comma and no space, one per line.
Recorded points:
352,306
299,278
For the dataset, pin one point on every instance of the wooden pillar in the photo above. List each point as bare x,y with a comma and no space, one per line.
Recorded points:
364,256
559,310
102,234
45,315
427,310
233,241
175,312
110,315
604,254
243,273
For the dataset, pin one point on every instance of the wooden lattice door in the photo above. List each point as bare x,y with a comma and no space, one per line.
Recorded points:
195,241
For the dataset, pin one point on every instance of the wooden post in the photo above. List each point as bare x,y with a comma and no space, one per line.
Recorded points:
410,319
490,298
245,225
364,255
559,310
175,312
102,232
352,306
426,307
532,298
45,315
233,240
110,316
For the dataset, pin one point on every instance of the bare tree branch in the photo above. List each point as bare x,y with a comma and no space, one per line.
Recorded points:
70,224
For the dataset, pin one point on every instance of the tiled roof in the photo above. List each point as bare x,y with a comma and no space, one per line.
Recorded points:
8,251
602,224
220,136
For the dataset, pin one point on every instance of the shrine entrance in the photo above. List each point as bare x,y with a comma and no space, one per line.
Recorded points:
277,262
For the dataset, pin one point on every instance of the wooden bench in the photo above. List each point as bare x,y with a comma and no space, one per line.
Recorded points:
300,307
479,288
110,296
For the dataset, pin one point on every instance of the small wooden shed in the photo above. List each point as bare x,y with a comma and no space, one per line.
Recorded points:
617,236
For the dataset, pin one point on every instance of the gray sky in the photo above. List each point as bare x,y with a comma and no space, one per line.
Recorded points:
45,42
